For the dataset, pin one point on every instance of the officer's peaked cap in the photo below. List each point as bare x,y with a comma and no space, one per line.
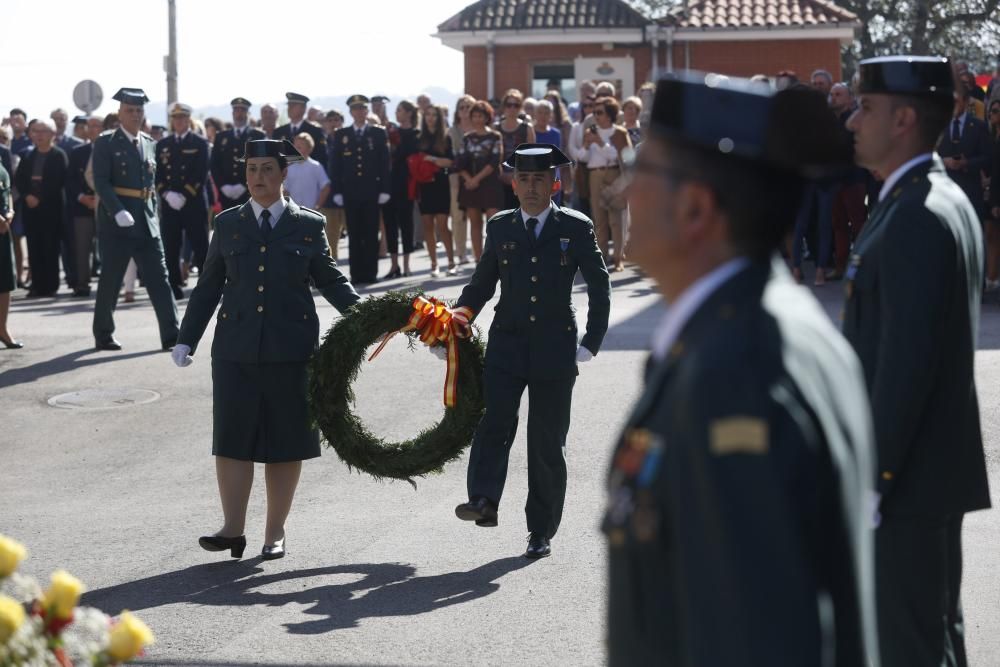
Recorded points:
356,100
240,102
296,97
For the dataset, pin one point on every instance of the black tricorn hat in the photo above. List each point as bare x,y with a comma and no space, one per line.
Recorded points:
919,76
536,157
356,100
791,130
296,97
240,102
131,96
80,120
276,148
161,128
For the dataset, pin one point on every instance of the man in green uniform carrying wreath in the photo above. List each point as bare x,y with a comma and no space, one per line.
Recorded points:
534,252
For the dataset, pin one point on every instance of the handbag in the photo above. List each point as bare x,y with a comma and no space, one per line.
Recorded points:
613,195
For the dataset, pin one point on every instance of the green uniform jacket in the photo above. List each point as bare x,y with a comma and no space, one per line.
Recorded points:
736,514
117,164
912,314
268,314
534,332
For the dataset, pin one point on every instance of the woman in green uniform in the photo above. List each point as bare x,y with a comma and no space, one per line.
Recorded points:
260,263
8,276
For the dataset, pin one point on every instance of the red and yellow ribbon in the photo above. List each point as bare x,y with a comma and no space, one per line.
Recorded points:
437,324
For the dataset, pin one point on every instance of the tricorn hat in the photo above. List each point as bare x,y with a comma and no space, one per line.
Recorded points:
276,148
536,157
131,96
918,76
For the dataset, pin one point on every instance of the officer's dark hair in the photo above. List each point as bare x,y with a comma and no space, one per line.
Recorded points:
18,112
933,116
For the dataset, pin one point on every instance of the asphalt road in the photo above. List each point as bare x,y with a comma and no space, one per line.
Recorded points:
377,573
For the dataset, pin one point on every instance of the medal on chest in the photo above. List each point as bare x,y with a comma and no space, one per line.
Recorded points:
631,505
563,247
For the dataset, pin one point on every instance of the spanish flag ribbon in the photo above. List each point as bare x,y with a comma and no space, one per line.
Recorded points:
436,324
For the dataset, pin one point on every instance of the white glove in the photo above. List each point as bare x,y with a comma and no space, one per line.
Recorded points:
383,198
874,500
124,219
175,199
338,200
439,351
227,191
181,354
237,190
583,355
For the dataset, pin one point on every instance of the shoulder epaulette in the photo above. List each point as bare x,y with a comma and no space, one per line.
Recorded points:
500,214
573,213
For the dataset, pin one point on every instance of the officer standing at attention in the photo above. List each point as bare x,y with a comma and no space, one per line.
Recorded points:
228,170
298,123
263,257
359,181
914,285
736,518
181,180
535,252
124,169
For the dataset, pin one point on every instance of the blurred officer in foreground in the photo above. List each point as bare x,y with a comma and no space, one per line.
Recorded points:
128,226
228,170
534,252
736,510
914,285
181,181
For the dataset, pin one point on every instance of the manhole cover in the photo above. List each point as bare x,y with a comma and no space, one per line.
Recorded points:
103,399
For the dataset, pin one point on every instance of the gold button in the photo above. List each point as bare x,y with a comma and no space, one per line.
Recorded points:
534,260
263,248
261,268
225,316
260,288
887,476
531,317
260,309
534,299
534,279
505,261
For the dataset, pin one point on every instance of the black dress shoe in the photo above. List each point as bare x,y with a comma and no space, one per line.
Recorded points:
178,293
11,344
395,273
110,344
480,510
538,546
236,545
81,292
273,551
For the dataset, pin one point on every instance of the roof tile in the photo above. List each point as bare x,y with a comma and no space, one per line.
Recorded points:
544,14
735,14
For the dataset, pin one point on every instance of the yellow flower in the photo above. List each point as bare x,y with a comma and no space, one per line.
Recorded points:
63,594
11,553
11,617
128,637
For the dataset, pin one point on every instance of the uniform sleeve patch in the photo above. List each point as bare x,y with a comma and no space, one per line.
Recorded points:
738,435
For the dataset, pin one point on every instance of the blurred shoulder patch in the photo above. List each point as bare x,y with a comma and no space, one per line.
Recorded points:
738,435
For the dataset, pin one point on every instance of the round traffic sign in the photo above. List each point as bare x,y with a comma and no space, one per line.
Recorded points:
87,96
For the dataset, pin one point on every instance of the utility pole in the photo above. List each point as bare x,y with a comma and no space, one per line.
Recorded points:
170,62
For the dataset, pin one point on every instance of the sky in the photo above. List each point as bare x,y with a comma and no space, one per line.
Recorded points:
326,49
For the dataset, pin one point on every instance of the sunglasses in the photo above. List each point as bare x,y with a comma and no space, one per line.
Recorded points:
599,112
513,105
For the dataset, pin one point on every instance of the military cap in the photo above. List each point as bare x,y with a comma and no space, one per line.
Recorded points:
81,120
919,76
792,129
240,102
536,157
180,109
356,100
131,96
380,98
276,148
161,128
296,97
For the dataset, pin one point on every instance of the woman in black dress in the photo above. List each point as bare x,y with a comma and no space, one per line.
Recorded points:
398,212
478,163
435,197
8,276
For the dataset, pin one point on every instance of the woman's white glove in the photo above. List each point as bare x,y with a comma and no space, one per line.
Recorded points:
338,200
181,355
124,219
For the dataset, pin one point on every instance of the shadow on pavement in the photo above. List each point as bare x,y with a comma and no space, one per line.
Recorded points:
389,589
64,364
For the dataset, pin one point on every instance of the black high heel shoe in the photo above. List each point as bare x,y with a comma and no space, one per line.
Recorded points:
273,551
395,273
236,545
12,344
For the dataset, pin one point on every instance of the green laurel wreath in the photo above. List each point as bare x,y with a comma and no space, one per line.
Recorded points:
335,367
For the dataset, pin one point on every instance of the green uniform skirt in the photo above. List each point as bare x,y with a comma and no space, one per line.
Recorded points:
261,412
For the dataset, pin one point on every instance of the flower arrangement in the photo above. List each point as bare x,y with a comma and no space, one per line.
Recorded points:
46,628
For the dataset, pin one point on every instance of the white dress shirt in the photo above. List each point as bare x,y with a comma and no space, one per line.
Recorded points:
894,177
688,303
541,218
277,209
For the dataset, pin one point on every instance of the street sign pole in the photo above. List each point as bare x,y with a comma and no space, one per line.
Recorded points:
171,59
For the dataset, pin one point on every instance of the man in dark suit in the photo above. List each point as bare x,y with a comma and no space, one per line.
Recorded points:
359,181
967,152
912,314
228,171
82,204
181,181
736,518
534,252
40,179
124,168
298,123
